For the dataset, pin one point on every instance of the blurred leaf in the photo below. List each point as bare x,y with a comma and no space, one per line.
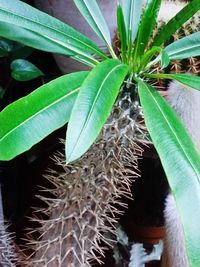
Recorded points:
180,161
23,70
93,106
31,118
2,92
20,51
6,46
176,22
188,46
165,60
187,79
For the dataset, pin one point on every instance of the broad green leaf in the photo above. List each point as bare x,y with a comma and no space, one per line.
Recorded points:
176,22
22,15
188,46
187,79
181,163
33,117
122,32
147,24
6,46
31,38
93,106
91,12
132,11
23,70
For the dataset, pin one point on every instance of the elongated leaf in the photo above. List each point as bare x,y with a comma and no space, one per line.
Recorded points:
181,163
91,12
93,106
33,39
23,70
176,22
33,117
188,46
146,27
187,79
122,32
22,15
132,11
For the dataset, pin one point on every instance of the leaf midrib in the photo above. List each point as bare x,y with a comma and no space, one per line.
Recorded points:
91,109
50,28
41,110
131,17
96,24
179,142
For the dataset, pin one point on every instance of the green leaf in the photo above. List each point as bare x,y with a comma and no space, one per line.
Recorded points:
122,32
132,11
23,70
188,46
2,92
91,12
33,117
146,27
93,106
16,13
186,79
165,60
6,47
176,22
31,38
181,163
150,54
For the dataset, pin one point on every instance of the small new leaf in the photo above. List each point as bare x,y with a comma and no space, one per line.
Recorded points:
23,70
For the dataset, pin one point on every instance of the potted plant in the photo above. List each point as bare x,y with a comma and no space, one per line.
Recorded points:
116,90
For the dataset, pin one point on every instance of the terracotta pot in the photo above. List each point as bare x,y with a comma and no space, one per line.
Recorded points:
146,234
66,11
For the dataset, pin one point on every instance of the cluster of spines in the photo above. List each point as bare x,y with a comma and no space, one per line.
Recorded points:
89,195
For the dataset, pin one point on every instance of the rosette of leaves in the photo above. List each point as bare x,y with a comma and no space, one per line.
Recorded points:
85,99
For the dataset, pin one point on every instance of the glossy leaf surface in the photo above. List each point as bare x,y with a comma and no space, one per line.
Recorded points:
33,117
181,163
22,15
92,13
188,46
148,22
23,70
32,39
132,11
93,106
122,32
